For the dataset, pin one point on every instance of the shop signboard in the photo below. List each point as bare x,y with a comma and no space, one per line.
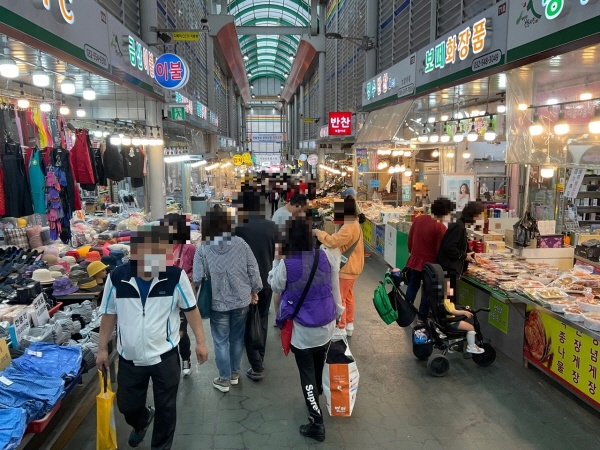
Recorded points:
362,159
171,71
574,183
536,26
186,36
396,82
498,315
406,193
374,184
312,159
267,137
247,158
469,49
466,294
340,123
380,238
238,160
78,29
563,352
367,228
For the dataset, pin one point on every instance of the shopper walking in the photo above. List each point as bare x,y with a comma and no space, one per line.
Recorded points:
183,257
261,235
236,282
349,240
424,240
296,206
454,253
314,323
138,298
274,201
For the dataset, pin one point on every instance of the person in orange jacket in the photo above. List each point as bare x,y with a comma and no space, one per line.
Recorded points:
349,240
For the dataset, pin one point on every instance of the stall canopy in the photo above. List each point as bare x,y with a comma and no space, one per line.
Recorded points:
382,125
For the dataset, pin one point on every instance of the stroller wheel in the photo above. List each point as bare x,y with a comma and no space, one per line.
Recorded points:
487,357
438,365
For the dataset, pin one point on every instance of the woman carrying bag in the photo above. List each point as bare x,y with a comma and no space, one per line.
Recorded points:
308,281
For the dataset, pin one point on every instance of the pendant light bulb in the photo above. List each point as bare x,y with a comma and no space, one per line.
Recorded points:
444,118
126,140
115,139
98,133
8,67
402,168
392,170
80,111
435,154
450,154
67,86
434,138
472,135
64,110
23,103
561,127
445,138
89,93
40,78
594,125
423,138
522,107
407,153
466,154
45,106
501,108
547,172
459,137
536,128
584,96
398,168
408,173
489,135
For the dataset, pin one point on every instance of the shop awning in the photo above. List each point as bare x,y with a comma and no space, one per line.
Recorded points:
382,125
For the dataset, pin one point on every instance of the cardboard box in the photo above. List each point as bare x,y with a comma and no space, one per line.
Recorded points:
491,236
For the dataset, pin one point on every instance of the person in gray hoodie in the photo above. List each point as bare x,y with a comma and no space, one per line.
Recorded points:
236,282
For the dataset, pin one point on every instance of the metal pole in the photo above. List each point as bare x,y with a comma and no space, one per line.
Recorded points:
371,31
301,108
156,165
322,73
230,107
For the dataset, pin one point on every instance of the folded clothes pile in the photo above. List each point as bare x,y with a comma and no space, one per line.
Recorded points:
13,422
50,360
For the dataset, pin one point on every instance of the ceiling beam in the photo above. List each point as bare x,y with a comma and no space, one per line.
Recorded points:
266,30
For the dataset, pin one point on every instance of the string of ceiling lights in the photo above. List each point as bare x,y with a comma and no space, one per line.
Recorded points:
562,126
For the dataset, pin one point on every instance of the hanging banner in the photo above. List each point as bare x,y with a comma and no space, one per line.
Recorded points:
536,26
574,184
396,82
266,137
469,49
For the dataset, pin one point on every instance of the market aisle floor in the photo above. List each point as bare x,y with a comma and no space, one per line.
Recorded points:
399,406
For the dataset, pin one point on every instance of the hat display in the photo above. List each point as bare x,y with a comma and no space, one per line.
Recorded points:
57,268
56,274
110,261
83,251
89,284
95,268
65,265
63,286
51,251
77,275
50,259
43,276
71,260
72,253
93,256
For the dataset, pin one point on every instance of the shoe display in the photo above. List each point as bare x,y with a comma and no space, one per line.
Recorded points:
187,368
221,384
349,328
235,379
137,436
313,430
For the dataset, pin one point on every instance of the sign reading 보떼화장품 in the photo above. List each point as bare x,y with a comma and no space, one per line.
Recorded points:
396,82
468,49
60,8
536,26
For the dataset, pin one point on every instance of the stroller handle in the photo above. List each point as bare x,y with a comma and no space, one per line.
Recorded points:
481,310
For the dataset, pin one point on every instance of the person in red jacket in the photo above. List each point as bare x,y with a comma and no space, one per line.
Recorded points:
424,241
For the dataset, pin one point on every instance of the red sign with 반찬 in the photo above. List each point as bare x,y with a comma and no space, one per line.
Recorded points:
340,123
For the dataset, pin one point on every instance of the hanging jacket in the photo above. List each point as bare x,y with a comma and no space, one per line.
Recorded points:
37,179
80,159
113,163
319,307
101,177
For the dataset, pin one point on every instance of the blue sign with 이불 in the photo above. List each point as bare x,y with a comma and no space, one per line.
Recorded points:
171,72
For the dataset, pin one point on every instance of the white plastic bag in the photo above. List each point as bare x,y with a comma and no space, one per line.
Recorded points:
340,379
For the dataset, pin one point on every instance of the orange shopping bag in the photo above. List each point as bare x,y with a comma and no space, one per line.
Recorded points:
106,431
340,379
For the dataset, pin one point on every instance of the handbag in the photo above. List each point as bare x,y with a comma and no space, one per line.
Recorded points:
205,290
255,330
346,255
106,431
288,325
340,379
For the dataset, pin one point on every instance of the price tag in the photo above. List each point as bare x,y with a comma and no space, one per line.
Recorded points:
5,381
34,353
21,325
40,314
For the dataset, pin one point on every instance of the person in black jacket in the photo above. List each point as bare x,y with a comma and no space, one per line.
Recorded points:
454,252
261,235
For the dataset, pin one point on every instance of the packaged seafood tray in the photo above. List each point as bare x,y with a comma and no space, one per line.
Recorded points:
591,305
509,286
559,305
573,313
550,293
563,281
591,321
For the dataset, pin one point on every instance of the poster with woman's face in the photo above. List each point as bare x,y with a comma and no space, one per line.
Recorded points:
459,189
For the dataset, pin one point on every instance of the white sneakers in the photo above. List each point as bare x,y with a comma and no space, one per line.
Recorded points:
471,346
187,368
349,328
340,332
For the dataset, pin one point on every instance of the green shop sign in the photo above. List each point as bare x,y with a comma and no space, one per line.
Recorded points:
498,315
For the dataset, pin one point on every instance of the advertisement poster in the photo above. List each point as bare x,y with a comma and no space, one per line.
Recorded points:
568,355
362,159
380,238
459,189
367,228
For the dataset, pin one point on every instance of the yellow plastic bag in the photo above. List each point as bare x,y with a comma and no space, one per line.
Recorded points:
106,430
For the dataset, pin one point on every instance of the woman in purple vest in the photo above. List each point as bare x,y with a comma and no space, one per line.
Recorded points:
315,322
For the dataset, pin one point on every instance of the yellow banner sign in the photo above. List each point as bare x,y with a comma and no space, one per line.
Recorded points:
247,158
238,160
186,36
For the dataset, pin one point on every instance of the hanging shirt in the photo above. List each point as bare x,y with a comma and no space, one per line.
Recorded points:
36,181
80,159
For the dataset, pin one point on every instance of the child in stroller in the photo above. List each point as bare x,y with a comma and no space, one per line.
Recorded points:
454,320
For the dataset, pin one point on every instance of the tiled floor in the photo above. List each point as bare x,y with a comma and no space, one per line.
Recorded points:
399,406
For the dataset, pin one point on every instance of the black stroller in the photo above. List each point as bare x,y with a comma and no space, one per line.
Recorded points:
437,333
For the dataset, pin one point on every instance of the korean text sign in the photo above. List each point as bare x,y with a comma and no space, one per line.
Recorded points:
171,72
340,124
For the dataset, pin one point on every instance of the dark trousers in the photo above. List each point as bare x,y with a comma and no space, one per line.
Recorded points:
256,356
132,392
310,364
185,346
414,284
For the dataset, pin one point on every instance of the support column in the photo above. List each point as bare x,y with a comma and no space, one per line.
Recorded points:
186,189
301,110
156,165
210,91
371,31
322,72
240,130
230,108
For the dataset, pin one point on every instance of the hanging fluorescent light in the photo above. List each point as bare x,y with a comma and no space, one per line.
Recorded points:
211,167
68,86
8,67
584,96
40,78
594,125
89,93
176,158
536,128
45,106
562,126
198,163
522,107
64,110
435,154
227,164
158,141
547,172
144,141
126,140
115,139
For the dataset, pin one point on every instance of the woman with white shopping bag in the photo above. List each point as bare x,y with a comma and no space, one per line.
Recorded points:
308,281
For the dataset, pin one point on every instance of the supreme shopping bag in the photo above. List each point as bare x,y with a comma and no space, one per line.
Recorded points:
340,379
106,431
